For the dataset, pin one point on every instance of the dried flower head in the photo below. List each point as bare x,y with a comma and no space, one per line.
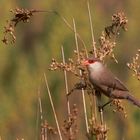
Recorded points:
69,67
9,34
119,107
71,122
135,65
72,66
99,130
20,15
47,130
106,48
119,21
107,40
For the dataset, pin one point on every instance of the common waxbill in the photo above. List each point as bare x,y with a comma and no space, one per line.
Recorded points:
106,82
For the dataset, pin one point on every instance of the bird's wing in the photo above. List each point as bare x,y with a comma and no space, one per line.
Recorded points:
111,81
120,85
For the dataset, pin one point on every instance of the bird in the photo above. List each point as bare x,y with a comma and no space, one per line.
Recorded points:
104,81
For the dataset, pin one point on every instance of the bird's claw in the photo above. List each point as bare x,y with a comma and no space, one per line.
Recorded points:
100,108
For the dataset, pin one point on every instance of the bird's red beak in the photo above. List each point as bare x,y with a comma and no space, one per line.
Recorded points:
85,63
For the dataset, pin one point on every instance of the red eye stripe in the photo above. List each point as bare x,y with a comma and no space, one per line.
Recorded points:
91,61
88,61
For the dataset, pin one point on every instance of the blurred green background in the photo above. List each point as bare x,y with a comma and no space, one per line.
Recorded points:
22,64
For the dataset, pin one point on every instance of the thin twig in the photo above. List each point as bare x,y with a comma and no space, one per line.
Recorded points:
66,86
91,28
39,112
66,81
42,135
67,23
95,54
93,104
102,123
83,94
54,112
45,134
40,105
101,117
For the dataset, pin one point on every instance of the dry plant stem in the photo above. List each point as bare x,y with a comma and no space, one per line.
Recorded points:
101,117
91,28
135,65
83,94
42,137
95,54
66,22
49,93
66,81
66,87
40,105
28,14
45,134
93,108
39,112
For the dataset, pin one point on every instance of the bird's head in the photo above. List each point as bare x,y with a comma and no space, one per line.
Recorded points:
92,64
91,61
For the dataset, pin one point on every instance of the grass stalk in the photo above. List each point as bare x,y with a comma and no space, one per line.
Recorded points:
54,112
83,93
66,87
95,54
91,29
40,105
66,81
101,117
39,113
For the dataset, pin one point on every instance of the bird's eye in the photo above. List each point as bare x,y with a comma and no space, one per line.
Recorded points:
90,61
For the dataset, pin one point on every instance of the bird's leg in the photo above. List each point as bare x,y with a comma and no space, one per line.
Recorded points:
99,103
109,90
101,107
107,103
98,95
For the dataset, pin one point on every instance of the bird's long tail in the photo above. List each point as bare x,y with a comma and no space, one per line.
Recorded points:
126,95
133,100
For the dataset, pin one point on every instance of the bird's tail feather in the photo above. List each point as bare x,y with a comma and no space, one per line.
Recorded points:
133,100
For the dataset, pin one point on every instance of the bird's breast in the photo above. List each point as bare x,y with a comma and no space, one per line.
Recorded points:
95,77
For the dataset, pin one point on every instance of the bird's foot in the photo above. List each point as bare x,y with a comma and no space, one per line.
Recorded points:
101,107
